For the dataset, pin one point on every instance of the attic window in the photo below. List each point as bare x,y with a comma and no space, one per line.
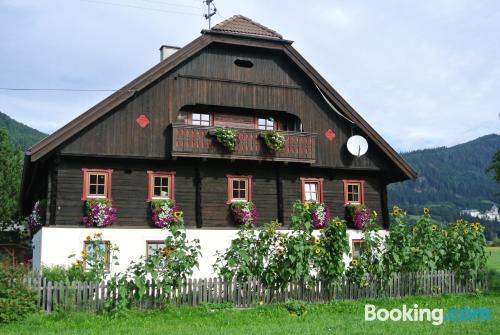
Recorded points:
243,63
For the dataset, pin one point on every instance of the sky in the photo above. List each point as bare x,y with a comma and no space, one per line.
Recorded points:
422,73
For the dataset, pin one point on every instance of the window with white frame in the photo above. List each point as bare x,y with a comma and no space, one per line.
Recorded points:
312,189
200,119
265,124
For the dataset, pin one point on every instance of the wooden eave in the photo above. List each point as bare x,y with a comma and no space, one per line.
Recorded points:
65,133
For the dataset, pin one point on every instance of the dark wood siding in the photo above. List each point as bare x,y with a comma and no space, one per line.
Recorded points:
129,189
211,78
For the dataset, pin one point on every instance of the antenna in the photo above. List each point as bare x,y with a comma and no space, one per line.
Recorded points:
210,12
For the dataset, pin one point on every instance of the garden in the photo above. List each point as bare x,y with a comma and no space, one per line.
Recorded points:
288,269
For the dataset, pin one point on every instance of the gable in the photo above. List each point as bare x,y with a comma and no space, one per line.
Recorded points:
290,88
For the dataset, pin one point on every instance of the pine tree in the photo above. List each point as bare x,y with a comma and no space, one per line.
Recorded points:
10,178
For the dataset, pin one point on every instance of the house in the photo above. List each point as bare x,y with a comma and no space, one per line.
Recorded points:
154,139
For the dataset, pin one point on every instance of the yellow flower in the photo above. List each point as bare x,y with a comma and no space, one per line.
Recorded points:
354,262
426,211
317,241
317,250
280,244
445,234
280,252
338,223
87,237
375,214
365,284
466,231
178,214
84,253
306,205
434,227
395,211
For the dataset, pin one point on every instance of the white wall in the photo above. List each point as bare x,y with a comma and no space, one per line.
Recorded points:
52,245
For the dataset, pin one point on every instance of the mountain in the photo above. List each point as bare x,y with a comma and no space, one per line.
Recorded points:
20,134
449,179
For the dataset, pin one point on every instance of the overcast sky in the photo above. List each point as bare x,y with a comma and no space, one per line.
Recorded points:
422,73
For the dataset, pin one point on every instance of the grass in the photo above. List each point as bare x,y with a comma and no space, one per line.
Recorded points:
338,317
494,266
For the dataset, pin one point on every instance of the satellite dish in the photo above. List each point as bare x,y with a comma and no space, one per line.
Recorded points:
357,145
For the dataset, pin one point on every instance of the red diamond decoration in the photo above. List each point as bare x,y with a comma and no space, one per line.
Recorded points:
330,135
142,121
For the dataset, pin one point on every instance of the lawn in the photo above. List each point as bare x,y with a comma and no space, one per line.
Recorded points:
345,317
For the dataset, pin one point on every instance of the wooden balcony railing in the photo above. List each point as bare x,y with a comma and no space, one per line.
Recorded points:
196,141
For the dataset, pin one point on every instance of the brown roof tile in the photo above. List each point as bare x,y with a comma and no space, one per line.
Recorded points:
240,24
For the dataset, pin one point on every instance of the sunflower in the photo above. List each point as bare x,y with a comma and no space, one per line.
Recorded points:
306,205
280,244
354,262
375,214
165,252
466,231
317,250
280,252
445,234
365,284
317,241
178,214
84,253
395,211
87,238
338,223
426,211
434,227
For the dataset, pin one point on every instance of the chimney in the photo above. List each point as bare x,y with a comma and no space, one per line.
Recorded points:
167,51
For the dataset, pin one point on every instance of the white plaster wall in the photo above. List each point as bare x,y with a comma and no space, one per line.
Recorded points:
52,245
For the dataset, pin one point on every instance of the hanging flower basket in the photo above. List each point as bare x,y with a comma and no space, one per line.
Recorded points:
244,212
99,213
320,213
36,219
226,137
358,215
274,140
165,213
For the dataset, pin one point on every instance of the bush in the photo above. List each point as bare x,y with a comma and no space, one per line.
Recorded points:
60,273
296,307
17,300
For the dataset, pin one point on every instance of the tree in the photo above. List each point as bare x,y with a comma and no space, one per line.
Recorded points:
495,166
10,178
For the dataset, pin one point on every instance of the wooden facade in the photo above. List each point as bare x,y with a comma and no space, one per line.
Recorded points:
147,127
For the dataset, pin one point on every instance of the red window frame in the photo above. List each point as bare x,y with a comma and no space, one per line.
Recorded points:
361,185
86,180
357,241
230,179
150,242
318,181
210,118
171,184
107,256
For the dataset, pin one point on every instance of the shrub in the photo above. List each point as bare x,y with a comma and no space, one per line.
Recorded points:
296,307
60,273
17,300
226,137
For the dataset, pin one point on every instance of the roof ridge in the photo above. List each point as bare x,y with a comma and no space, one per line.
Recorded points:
231,25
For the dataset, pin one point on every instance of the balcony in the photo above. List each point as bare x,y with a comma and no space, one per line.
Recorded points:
197,141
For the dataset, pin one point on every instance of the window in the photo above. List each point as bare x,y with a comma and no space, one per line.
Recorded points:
354,192
160,185
265,124
154,247
104,250
239,188
312,189
243,63
200,119
357,248
96,184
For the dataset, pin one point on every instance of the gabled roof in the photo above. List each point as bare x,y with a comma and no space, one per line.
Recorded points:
240,24
271,41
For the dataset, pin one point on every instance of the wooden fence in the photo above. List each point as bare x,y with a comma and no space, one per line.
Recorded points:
91,296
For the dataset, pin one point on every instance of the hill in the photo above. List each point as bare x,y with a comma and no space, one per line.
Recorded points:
449,179
20,134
